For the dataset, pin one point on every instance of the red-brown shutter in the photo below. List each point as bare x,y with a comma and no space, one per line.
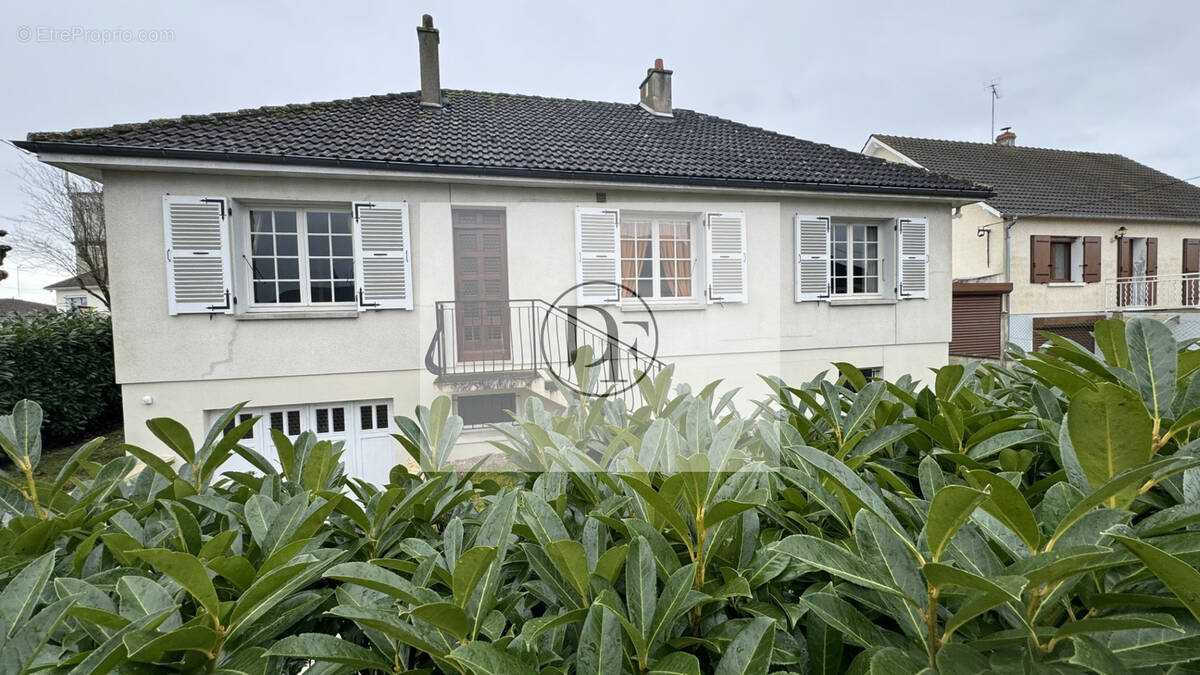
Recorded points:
1091,259
977,316
1124,258
1191,266
1040,263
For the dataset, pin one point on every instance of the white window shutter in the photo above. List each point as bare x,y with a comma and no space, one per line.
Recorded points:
383,255
196,233
726,257
812,257
913,258
597,255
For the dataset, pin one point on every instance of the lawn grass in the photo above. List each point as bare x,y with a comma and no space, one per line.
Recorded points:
53,459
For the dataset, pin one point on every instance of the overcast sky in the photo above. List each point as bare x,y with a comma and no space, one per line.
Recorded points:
1113,76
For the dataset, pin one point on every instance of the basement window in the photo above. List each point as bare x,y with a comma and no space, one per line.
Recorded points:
481,409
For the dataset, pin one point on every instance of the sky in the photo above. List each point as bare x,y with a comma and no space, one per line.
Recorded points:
1108,77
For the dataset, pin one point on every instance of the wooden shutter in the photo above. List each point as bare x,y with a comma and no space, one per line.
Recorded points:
1191,256
726,257
1041,266
383,255
1091,260
597,255
812,257
913,259
1191,267
196,233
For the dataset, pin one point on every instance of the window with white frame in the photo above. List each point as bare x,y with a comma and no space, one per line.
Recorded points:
657,256
301,257
848,259
77,301
854,259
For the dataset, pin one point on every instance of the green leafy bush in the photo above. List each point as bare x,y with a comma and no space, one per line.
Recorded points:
65,362
1036,519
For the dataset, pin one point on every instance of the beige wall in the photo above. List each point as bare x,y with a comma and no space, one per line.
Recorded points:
1029,298
976,257
191,363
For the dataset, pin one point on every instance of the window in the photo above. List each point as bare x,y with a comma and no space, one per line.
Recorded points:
77,301
482,409
854,259
1060,254
656,257
373,416
331,420
301,257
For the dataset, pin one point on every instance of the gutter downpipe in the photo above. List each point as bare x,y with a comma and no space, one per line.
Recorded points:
1007,323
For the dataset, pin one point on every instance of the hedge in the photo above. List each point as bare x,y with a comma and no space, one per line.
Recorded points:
64,361
1039,518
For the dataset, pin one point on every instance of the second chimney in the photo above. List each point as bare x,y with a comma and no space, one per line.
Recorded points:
431,78
1006,137
656,90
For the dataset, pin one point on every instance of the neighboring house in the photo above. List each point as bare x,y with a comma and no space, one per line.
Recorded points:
339,263
9,305
79,292
1079,235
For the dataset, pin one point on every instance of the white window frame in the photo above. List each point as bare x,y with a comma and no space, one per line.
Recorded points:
655,218
76,301
880,258
247,252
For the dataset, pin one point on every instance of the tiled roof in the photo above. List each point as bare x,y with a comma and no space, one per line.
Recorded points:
1059,183
73,282
22,306
507,134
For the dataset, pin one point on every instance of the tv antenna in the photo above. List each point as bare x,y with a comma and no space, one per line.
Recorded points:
994,85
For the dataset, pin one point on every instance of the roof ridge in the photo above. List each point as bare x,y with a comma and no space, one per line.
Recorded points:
996,145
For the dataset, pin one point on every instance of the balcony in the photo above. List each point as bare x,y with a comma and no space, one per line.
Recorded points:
1156,293
491,344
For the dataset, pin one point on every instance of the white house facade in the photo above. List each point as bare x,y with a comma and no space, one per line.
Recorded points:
338,264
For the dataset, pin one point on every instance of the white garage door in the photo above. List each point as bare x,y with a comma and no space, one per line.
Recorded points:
364,428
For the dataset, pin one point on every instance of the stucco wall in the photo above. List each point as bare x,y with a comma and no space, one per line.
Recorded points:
975,256
1029,298
190,363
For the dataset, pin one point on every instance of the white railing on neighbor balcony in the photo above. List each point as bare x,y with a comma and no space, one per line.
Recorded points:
1162,292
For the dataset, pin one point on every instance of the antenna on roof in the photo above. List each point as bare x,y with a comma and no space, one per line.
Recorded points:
994,86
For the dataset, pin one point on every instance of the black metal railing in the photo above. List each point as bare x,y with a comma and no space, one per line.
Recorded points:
533,336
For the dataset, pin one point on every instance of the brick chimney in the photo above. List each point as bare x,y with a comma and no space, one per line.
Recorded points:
1006,137
656,90
431,78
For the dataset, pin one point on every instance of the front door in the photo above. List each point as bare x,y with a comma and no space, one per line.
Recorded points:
481,284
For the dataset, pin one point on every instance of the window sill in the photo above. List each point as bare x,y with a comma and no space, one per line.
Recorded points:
1065,284
301,314
843,302
660,306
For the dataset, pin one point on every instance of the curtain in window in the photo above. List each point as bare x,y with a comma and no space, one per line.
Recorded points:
676,256
629,266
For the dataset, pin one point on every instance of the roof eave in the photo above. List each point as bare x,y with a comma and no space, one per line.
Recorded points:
433,167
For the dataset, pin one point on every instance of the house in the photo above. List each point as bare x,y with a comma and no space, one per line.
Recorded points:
1078,235
9,305
339,263
79,292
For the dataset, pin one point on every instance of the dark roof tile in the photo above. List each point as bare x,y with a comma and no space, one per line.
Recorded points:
1061,183
507,133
